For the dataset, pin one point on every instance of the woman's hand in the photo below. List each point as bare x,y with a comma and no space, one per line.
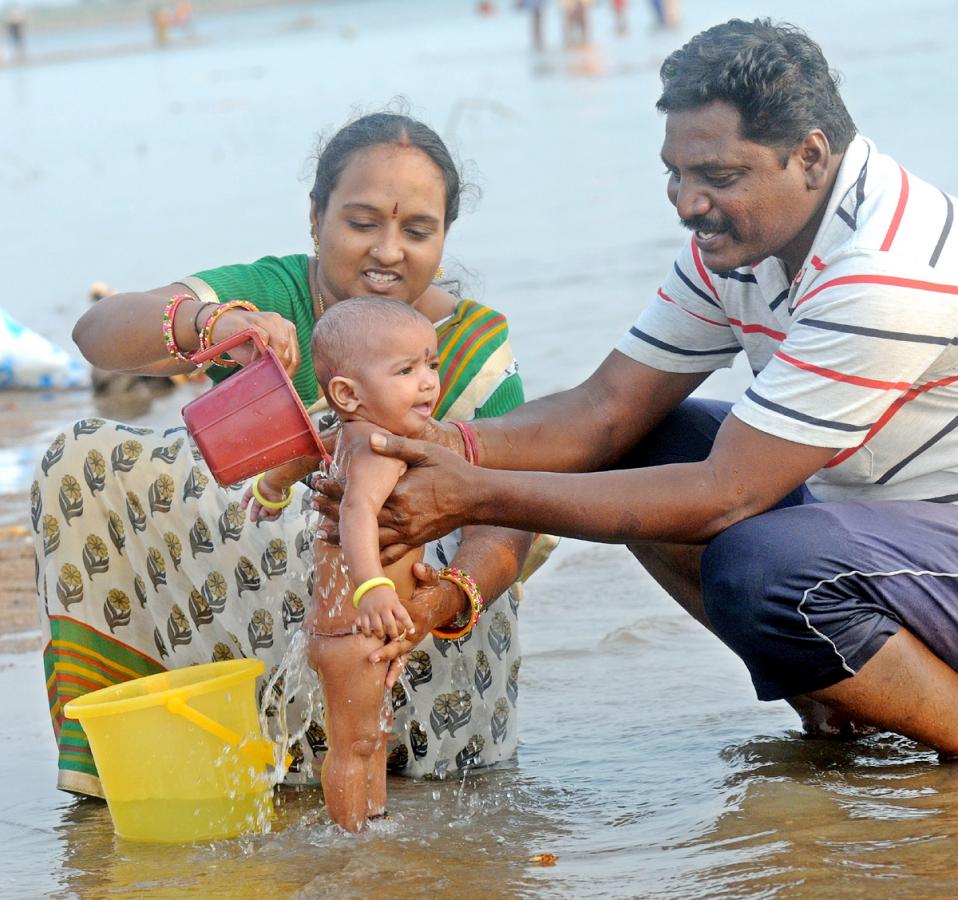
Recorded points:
433,603
273,329
429,501
255,510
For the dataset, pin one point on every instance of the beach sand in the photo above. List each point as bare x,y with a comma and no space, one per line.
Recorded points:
19,621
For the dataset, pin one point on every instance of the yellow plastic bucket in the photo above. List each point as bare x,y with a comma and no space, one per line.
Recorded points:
180,754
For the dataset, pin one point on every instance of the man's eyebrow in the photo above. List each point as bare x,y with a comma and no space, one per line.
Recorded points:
708,165
367,206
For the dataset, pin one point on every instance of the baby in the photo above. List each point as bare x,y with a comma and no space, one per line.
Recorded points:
377,363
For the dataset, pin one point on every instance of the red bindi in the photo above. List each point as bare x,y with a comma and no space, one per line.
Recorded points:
395,210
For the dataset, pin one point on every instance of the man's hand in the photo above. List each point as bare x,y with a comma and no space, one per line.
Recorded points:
430,500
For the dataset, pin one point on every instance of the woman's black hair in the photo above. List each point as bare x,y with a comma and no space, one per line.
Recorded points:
775,75
374,130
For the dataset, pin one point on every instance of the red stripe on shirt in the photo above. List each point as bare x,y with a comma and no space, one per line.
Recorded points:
835,375
703,272
899,212
892,280
888,415
753,328
817,263
668,299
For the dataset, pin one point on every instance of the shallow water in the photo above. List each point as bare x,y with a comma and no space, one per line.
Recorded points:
646,764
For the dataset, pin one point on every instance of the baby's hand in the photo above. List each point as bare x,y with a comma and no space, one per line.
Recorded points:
382,614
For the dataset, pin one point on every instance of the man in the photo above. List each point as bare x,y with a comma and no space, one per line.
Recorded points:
812,526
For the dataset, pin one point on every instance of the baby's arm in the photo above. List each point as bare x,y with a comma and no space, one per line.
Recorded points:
370,479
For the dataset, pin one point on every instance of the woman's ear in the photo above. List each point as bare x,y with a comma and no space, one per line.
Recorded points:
341,392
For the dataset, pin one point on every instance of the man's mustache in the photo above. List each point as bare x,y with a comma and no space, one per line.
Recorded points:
709,226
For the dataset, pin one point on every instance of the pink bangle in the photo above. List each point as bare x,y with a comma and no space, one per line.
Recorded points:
169,316
469,442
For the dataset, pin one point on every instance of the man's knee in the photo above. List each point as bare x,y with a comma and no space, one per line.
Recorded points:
750,578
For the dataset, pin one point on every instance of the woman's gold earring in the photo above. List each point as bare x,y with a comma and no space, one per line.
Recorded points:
315,245
439,274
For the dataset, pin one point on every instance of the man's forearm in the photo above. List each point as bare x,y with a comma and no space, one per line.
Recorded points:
678,503
588,427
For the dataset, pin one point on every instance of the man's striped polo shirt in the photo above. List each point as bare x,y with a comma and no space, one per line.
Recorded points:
857,353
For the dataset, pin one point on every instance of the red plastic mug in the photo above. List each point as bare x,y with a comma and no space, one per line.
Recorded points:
252,421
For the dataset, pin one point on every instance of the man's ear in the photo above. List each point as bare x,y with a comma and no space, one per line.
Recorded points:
817,159
342,393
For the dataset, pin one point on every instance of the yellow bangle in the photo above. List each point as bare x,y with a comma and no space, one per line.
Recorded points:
269,504
369,585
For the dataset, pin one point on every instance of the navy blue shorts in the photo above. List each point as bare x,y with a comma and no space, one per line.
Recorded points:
808,592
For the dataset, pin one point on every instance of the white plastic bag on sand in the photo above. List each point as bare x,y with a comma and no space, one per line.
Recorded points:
29,360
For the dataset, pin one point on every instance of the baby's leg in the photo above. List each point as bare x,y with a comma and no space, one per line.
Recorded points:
376,796
353,690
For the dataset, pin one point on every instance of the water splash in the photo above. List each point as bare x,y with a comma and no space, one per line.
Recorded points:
294,679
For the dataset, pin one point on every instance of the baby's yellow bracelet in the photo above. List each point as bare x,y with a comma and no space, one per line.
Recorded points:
368,585
269,504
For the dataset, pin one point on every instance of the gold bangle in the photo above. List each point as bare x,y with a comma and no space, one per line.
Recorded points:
269,504
206,335
368,585
469,587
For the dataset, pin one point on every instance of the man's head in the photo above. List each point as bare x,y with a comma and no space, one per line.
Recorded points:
755,131
775,76
376,359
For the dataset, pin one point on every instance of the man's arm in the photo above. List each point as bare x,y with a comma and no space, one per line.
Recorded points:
589,426
747,472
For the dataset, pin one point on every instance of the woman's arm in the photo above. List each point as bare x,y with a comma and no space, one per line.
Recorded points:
492,556
124,332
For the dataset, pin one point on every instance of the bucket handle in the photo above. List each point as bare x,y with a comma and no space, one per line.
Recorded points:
234,340
260,750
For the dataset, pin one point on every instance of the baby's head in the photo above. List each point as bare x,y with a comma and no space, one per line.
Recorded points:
376,360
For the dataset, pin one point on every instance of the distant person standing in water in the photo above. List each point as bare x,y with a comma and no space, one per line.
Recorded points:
16,23
667,13
535,9
619,8
575,24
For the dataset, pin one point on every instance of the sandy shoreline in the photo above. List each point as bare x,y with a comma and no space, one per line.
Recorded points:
19,619
45,19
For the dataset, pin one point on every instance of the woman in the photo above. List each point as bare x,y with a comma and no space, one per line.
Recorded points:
144,564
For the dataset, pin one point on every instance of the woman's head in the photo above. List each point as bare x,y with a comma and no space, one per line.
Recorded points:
386,191
372,131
